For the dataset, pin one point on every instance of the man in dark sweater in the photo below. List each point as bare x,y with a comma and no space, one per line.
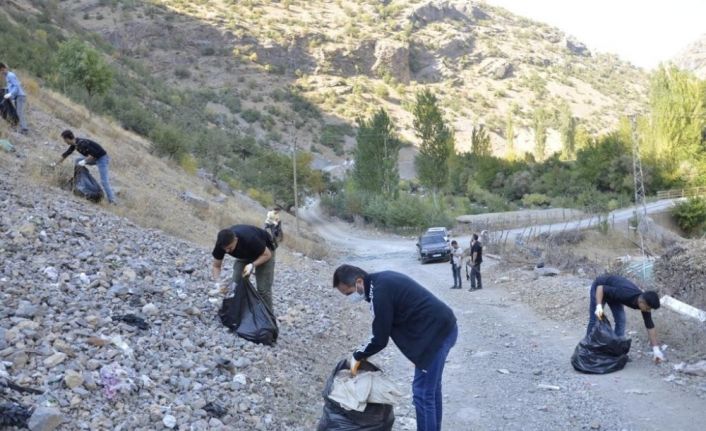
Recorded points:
422,327
93,154
252,248
475,260
617,292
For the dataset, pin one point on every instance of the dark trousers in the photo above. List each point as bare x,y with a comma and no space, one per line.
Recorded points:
426,387
616,309
456,271
475,276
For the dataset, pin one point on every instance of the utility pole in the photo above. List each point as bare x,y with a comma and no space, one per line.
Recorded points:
640,206
294,171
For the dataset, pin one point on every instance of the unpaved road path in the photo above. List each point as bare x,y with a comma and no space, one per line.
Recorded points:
510,368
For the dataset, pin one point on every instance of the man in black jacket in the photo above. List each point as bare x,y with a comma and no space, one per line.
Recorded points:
252,248
475,260
617,292
422,327
93,154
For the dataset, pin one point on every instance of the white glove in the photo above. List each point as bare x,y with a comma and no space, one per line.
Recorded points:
248,270
8,95
657,354
354,366
599,311
82,163
52,164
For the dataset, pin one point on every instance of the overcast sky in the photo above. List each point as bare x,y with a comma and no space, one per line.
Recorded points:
643,32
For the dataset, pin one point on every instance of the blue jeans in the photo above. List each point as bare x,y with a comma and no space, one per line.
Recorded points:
102,164
20,106
616,309
426,387
456,271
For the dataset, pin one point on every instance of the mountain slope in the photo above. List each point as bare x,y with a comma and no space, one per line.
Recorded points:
693,58
348,58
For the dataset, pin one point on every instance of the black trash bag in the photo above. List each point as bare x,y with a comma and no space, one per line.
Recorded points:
8,112
376,417
84,185
248,316
601,351
14,415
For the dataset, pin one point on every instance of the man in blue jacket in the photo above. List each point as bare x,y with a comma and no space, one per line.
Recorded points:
16,93
422,327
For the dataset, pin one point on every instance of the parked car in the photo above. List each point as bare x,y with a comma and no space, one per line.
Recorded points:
433,247
439,231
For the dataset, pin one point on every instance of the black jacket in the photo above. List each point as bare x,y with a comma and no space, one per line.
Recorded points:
416,320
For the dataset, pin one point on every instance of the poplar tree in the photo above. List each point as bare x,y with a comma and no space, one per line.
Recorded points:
436,142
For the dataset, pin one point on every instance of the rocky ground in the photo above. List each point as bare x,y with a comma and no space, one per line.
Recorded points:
70,270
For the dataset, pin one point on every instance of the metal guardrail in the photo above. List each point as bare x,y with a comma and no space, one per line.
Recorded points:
681,193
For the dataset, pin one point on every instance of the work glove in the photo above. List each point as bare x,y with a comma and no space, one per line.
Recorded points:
355,364
8,95
248,270
599,311
657,354
82,163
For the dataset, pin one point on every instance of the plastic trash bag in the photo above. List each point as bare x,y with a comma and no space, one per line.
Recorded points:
248,316
355,392
85,185
375,417
8,112
601,351
14,415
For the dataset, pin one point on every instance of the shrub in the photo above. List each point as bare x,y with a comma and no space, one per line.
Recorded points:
168,141
536,200
251,115
189,164
182,73
691,215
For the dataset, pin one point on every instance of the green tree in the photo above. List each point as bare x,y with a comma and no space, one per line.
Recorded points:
567,129
480,142
510,151
376,155
437,142
539,124
678,120
691,215
83,66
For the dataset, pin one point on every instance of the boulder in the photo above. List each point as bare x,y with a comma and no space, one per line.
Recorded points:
576,47
194,200
392,58
496,68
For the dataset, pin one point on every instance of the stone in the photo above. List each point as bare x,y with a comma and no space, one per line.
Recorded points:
54,360
169,421
240,378
26,309
73,379
576,47
392,59
150,309
496,68
45,419
27,229
194,200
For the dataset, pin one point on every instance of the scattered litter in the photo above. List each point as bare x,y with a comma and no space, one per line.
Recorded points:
132,320
637,391
695,369
116,380
13,414
118,341
549,387
215,410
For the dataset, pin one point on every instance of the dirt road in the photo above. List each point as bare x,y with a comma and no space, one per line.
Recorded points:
510,368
